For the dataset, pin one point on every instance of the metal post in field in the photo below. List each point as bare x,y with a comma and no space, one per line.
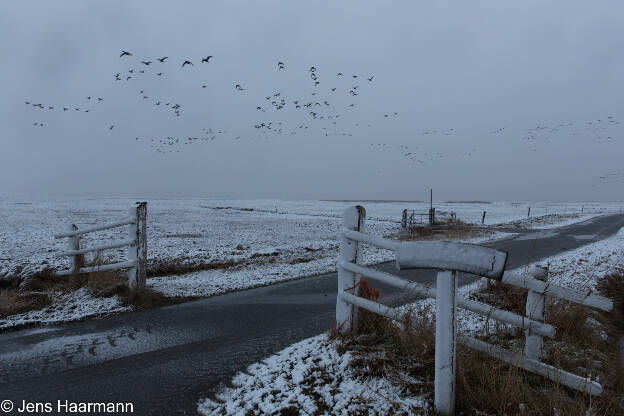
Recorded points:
483,218
534,343
346,313
138,251
445,341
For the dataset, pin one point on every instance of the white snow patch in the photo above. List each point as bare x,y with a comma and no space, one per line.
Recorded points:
71,306
309,376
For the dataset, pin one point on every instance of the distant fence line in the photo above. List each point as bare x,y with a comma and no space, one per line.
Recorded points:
411,218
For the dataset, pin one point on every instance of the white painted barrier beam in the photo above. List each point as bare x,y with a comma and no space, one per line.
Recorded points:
96,228
448,255
104,267
502,315
576,296
568,379
370,239
91,249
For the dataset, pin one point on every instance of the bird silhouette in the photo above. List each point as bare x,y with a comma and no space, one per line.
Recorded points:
371,78
206,59
159,74
238,87
125,53
146,62
187,63
163,58
111,127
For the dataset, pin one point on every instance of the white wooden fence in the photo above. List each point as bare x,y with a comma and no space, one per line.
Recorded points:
452,258
136,247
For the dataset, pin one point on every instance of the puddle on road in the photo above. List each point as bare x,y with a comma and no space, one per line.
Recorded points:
537,236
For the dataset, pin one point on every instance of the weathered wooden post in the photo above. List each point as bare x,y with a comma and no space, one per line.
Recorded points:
138,250
445,349
529,212
74,244
404,219
534,343
483,218
346,314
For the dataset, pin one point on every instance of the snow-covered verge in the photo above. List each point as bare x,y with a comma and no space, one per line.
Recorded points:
72,306
310,378
282,381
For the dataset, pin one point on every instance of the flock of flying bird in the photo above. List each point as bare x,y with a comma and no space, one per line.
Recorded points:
321,110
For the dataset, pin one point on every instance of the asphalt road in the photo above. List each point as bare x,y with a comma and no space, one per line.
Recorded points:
163,360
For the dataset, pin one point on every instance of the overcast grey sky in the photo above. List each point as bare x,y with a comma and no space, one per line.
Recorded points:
456,73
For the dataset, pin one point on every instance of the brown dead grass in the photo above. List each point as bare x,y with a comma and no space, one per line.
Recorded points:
13,302
172,268
586,344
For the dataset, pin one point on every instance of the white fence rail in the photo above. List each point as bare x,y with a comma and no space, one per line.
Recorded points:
452,258
136,245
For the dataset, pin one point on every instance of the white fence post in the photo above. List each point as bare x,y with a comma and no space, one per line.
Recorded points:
138,251
534,343
445,337
346,313
74,244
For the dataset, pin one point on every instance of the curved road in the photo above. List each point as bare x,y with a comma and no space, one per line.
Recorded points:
163,360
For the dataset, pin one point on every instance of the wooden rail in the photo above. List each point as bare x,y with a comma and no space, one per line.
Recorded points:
136,247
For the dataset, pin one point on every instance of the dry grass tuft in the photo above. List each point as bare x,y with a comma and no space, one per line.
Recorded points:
13,302
587,343
172,268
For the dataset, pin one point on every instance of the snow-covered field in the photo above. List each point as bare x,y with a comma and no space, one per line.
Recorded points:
206,230
264,241
315,378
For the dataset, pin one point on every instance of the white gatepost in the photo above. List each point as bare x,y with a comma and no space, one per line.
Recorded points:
74,244
138,251
445,339
346,313
534,343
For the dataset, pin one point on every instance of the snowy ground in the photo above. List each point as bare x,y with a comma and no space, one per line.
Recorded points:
205,230
265,241
310,376
80,304
315,379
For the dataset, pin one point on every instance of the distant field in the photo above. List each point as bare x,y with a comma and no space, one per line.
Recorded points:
206,230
